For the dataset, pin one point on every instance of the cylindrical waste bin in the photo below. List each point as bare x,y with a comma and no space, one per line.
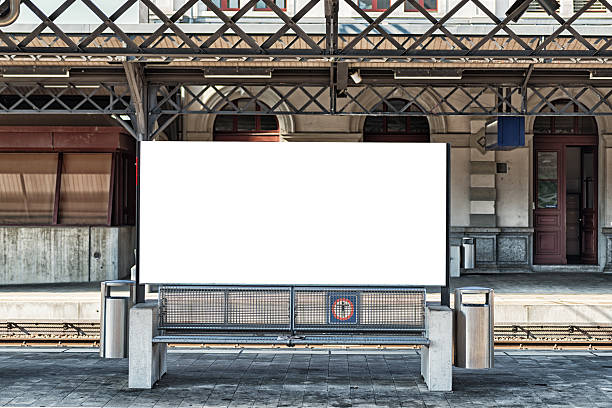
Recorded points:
455,261
114,312
474,327
468,252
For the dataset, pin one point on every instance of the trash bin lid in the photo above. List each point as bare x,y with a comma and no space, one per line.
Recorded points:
119,282
474,289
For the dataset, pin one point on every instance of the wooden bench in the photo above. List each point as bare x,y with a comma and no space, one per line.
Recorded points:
289,316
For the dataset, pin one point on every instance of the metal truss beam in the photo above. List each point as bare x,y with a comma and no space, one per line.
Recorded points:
64,98
146,101
143,97
434,100
289,37
108,96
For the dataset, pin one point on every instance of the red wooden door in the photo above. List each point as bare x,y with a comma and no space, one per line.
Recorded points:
565,168
549,213
588,211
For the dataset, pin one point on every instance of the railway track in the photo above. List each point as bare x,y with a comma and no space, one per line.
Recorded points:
79,334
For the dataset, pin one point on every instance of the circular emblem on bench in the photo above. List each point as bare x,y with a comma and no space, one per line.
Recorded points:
343,309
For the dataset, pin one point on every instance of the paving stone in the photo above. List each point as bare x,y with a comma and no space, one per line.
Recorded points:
208,379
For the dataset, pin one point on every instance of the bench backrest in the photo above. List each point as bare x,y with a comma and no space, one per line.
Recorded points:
291,309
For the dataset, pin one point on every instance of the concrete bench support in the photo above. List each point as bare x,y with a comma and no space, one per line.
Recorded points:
147,358
436,359
147,362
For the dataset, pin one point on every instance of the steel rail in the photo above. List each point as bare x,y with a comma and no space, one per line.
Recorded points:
16,332
33,343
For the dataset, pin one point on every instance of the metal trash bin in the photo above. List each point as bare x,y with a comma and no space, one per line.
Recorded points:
474,328
455,261
114,312
468,253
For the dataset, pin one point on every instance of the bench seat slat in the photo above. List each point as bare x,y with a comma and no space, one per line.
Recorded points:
275,340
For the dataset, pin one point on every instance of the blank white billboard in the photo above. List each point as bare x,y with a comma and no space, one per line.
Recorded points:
293,213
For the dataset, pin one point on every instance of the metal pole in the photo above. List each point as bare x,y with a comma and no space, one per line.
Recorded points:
332,87
103,294
292,310
445,291
140,293
143,134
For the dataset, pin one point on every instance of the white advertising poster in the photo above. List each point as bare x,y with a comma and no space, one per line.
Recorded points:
293,213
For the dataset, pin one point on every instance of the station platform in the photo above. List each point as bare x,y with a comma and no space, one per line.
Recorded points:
304,378
527,299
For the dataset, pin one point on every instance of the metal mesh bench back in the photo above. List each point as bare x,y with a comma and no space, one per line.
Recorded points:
302,309
216,308
364,309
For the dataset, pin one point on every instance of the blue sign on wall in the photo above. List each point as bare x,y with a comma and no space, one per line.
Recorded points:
343,307
510,132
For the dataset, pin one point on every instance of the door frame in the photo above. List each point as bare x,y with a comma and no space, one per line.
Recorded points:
594,260
560,142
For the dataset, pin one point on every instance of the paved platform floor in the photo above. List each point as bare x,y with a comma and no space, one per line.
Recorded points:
304,378
567,283
540,283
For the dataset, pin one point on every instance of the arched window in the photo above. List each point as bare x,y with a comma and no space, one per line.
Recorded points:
398,128
245,128
564,124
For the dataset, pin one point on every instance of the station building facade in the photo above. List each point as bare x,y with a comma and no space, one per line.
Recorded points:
542,207
67,207
67,200
67,186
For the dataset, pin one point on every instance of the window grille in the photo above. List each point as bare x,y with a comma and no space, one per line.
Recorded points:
262,6
596,7
429,5
535,7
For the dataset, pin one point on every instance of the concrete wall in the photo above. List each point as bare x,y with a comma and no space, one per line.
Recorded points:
460,186
65,254
512,203
111,253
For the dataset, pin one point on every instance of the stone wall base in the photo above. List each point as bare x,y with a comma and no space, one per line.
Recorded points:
498,249
65,254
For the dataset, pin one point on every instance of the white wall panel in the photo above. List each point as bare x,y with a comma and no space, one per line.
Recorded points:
293,213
